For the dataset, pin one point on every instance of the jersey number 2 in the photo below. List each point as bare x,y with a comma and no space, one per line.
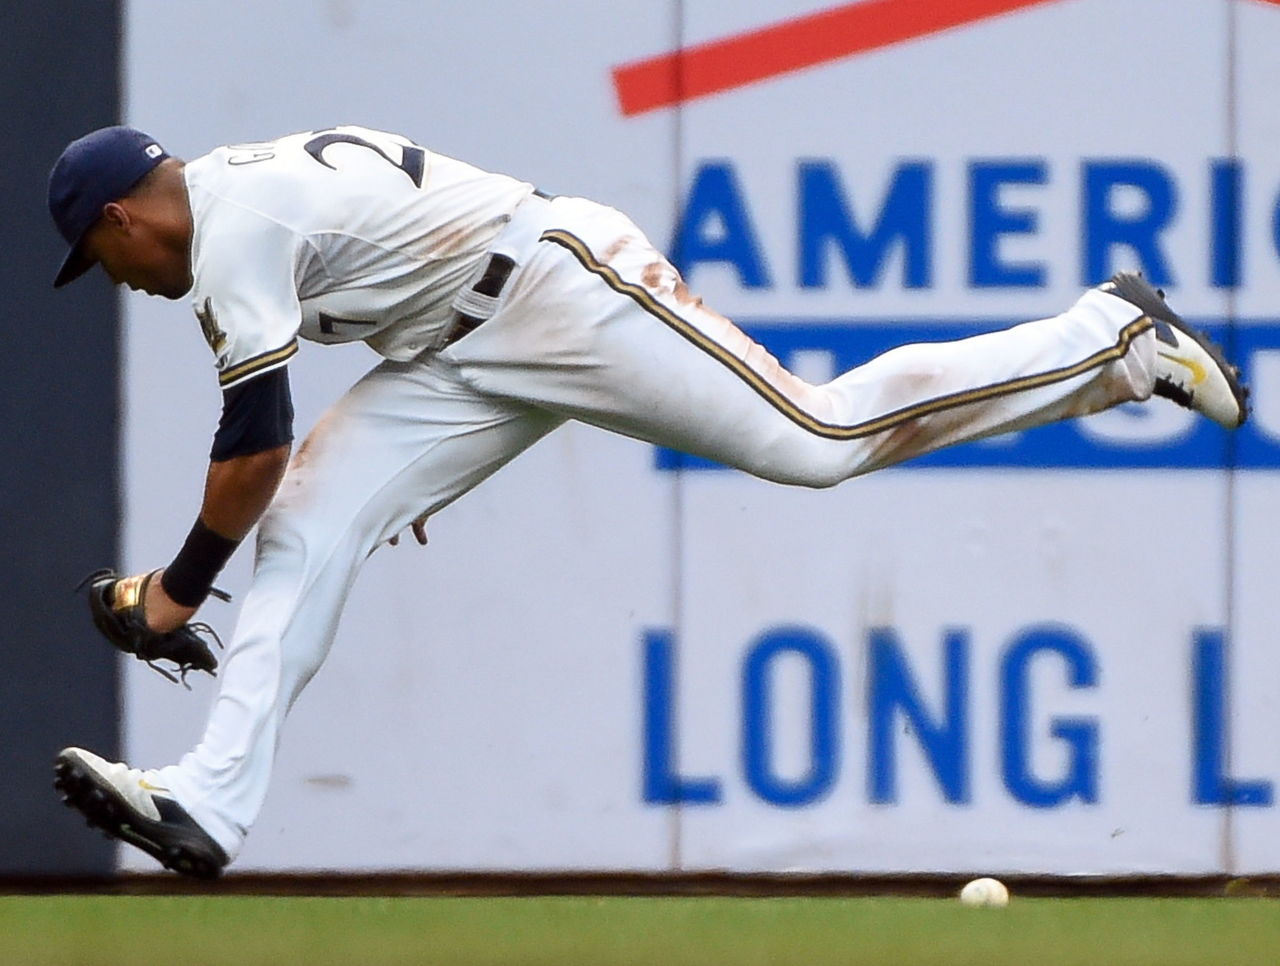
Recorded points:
412,161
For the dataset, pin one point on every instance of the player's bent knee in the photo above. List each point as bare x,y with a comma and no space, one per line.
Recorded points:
822,480
289,540
310,539
810,474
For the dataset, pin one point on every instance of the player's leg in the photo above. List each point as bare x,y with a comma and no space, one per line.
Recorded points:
406,440
599,326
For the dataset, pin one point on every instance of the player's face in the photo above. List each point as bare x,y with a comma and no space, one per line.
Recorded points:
133,254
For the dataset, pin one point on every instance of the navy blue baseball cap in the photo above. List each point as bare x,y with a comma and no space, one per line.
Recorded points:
93,171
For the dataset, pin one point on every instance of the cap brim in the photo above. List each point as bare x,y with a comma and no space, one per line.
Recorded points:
73,266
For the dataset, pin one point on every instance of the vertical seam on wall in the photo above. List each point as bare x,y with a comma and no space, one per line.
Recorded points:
680,476
1231,461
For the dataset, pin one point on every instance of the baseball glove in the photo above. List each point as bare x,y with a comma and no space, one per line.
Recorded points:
116,604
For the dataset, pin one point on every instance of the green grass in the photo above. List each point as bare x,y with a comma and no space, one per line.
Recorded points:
621,931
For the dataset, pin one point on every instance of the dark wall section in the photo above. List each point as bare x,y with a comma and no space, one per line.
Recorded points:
59,400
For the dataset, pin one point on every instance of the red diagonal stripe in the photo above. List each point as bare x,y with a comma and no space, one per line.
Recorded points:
852,28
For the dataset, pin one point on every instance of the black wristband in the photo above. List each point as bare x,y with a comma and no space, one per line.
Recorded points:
188,579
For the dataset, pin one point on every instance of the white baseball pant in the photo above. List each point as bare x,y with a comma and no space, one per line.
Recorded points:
595,325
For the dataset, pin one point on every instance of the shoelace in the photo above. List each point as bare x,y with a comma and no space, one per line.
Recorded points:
199,627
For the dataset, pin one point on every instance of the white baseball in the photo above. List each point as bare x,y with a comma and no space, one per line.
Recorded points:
985,892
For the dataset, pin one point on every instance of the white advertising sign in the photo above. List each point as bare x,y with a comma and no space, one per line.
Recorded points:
1050,652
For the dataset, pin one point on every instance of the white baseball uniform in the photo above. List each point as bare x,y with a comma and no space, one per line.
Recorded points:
357,234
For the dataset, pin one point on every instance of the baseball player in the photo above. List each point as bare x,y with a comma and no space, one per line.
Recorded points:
500,313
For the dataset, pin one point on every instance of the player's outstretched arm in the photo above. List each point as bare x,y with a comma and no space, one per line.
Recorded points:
246,463
237,492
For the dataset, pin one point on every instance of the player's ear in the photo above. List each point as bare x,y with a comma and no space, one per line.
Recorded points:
116,215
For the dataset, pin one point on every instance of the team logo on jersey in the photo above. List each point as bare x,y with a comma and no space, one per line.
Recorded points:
209,326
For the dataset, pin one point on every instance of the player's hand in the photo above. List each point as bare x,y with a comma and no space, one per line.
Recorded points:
419,528
163,614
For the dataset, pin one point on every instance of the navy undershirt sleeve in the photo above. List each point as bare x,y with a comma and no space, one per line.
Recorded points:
257,415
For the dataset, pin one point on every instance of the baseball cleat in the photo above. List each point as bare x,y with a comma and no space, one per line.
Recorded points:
1190,369
133,806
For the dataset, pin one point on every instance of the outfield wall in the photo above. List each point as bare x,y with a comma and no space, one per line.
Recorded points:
59,399
1050,653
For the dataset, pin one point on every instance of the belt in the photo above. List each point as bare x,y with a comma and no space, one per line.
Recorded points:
476,305
490,286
